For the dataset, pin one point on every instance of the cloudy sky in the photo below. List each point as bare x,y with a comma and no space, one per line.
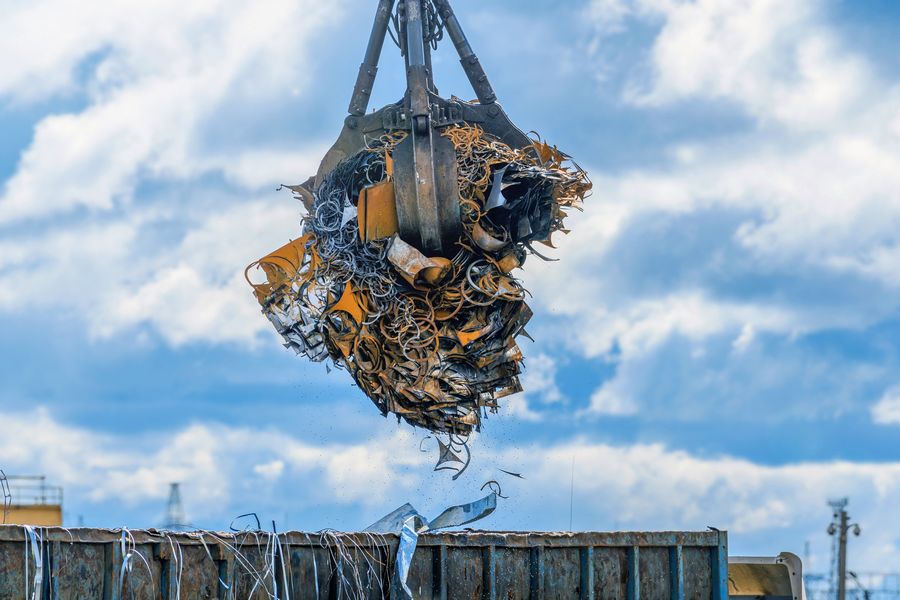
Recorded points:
717,346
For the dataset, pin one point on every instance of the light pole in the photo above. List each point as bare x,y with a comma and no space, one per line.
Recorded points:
840,525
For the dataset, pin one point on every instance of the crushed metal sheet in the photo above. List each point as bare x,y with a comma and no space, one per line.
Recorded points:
409,525
415,266
430,339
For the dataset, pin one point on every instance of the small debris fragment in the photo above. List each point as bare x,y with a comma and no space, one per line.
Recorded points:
519,475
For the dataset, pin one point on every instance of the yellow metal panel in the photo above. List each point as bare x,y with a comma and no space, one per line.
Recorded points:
45,515
350,305
377,212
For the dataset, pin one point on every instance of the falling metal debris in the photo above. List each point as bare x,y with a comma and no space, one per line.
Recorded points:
494,486
447,456
247,527
518,475
450,459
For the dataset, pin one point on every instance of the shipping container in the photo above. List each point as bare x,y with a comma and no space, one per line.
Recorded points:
79,564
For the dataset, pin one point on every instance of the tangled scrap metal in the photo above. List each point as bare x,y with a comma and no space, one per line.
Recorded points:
429,339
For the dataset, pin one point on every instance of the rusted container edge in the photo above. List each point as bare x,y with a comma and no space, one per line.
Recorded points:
525,539
470,538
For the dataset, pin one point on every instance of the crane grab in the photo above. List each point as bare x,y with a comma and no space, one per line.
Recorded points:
416,220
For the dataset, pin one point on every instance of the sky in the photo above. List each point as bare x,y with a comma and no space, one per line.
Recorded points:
717,346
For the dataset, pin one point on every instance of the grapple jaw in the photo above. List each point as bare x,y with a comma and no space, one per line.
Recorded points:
425,167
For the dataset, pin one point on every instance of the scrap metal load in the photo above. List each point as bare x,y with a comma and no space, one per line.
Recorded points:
416,221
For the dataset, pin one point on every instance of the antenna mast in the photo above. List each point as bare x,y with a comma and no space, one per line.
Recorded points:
175,517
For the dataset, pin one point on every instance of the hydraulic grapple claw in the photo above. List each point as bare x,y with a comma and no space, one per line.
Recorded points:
427,196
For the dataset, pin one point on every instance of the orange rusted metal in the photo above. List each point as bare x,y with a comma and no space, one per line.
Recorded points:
377,212
349,304
281,267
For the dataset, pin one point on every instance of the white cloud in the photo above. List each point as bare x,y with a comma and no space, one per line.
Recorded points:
822,179
645,486
271,470
817,170
152,80
609,402
638,326
214,459
540,385
197,290
265,167
813,177
518,407
887,410
775,58
814,199
193,290
540,378
743,341
151,95
608,15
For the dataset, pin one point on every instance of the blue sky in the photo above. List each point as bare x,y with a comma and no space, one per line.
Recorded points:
717,346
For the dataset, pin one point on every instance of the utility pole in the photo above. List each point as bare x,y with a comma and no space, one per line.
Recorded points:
840,525
842,554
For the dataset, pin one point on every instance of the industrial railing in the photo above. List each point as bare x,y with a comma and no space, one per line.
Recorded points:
860,586
32,490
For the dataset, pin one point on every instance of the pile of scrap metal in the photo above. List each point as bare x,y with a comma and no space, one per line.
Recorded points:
416,221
